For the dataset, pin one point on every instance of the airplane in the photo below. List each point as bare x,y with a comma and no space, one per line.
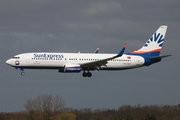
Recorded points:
86,62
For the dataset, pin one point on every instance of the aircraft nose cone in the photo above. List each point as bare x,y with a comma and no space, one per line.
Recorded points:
8,62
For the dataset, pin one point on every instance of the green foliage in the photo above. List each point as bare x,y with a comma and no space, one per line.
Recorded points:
66,116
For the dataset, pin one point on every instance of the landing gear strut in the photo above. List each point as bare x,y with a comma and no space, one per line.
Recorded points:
87,74
22,70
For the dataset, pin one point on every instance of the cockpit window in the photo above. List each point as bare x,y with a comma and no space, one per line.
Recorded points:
16,57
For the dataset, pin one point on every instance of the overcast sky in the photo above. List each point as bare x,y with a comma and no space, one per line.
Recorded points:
84,25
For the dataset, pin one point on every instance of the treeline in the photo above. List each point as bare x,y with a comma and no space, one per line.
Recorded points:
47,107
127,112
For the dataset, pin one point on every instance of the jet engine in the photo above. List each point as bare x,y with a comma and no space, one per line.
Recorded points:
71,69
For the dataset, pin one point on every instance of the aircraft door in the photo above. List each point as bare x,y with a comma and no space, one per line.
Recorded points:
138,61
27,59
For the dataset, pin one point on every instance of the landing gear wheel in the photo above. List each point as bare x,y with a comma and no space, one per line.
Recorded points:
84,74
89,74
22,73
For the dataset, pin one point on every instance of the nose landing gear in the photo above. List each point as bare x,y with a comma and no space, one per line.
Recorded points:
22,70
22,73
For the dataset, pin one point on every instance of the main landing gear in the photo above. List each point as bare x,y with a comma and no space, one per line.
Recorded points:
87,74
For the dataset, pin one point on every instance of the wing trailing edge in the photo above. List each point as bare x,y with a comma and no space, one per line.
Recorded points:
99,63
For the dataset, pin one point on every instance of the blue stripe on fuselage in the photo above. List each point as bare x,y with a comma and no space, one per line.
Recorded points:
147,58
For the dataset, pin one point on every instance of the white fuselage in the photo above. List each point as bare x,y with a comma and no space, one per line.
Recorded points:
47,60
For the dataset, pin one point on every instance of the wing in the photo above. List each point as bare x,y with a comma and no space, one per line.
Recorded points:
97,64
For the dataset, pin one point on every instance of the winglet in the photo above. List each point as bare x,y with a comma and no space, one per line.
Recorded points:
122,51
97,50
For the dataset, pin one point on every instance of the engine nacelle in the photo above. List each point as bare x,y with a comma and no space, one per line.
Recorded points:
71,69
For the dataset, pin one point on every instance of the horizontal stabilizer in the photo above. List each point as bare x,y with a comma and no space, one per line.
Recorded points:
159,57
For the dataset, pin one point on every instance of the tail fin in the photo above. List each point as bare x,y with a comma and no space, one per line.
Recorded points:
154,45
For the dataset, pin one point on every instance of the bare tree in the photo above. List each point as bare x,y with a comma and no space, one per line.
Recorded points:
44,107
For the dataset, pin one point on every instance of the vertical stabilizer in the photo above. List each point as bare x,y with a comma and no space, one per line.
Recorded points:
154,45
